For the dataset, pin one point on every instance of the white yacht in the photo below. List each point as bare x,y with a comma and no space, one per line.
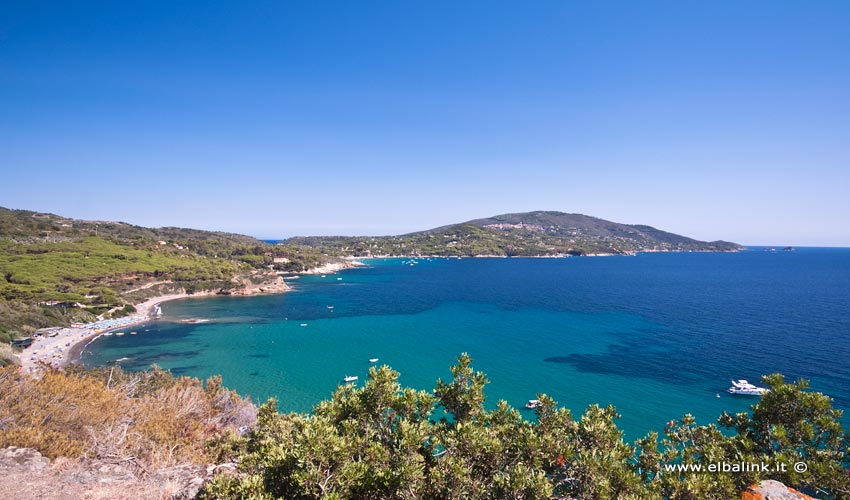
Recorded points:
350,378
744,388
532,404
373,360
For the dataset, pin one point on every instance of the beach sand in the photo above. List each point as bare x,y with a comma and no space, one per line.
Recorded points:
62,349
65,347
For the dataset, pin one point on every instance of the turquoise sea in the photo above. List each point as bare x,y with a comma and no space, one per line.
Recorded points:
657,335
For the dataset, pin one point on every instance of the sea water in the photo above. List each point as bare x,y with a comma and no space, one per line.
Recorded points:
656,335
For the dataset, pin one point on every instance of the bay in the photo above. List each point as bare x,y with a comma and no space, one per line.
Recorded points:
656,335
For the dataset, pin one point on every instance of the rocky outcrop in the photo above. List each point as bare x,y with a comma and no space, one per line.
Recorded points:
772,490
257,283
26,475
333,267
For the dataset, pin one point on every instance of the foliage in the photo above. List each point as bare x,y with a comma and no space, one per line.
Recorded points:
384,441
790,425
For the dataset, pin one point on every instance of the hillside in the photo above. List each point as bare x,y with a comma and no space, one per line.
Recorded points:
523,234
55,271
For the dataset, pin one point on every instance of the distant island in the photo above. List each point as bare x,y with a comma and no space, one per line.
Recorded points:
56,271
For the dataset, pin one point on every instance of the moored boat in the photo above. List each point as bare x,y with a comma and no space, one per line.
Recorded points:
532,404
744,388
350,378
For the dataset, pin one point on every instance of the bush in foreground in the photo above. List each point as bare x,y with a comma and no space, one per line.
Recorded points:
150,419
383,441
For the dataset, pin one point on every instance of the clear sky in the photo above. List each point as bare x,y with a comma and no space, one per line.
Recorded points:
715,119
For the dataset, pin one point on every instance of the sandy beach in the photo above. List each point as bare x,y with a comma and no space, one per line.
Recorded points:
57,350
62,346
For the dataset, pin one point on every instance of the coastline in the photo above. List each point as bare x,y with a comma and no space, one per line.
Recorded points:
65,347
334,267
62,349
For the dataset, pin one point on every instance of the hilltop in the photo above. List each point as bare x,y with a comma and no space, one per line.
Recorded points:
538,233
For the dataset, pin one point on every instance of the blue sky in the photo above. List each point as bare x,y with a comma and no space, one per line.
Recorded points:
717,120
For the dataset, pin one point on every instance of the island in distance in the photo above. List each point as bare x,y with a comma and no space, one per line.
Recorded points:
528,234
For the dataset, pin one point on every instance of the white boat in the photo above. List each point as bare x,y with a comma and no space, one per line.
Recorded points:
339,279
532,404
350,378
373,360
303,324
119,334
744,388
133,333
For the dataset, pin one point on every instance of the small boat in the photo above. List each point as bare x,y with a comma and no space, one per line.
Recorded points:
303,324
350,378
108,334
330,307
373,360
134,333
744,388
532,404
119,334
339,279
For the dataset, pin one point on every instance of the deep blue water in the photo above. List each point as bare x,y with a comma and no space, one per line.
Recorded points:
657,335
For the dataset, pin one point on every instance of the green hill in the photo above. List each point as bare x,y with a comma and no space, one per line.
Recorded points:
55,270
522,234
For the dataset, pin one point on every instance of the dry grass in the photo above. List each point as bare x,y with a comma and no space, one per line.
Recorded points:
8,355
149,419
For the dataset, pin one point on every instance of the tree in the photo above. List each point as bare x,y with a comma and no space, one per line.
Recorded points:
463,397
790,425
